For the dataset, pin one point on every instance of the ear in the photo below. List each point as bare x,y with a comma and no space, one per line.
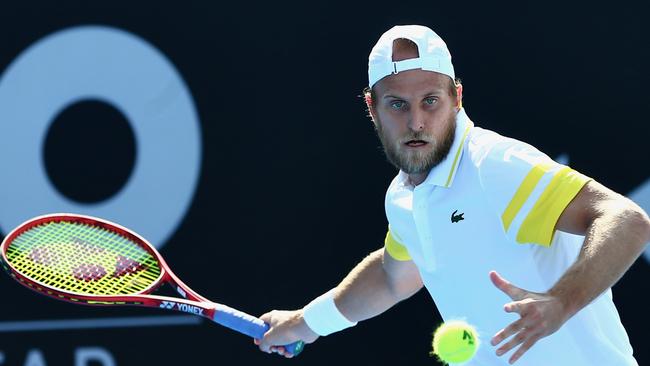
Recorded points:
459,93
371,109
368,100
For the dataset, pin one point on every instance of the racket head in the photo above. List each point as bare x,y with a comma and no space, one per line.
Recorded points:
82,259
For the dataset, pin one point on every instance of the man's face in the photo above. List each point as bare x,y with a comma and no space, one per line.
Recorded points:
415,117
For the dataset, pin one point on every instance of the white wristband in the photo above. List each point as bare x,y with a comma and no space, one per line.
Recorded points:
322,316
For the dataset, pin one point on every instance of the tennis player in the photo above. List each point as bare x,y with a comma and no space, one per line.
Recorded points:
501,235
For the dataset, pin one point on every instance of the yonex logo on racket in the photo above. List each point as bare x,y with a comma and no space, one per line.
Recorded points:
167,305
182,307
189,309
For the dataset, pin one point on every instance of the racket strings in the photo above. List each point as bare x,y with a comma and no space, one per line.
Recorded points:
83,259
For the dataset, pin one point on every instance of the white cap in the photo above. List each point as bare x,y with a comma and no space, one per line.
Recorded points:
432,51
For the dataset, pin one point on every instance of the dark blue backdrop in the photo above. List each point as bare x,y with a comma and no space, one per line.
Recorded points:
292,177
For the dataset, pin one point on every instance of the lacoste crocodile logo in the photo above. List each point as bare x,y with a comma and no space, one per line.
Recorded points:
455,218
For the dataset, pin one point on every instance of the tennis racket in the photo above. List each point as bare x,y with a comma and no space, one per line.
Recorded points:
90,261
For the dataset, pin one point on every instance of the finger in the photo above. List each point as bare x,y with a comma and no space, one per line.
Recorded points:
513,307
265,343
266,317
267,340
524,347
504,285
507,332
286,353
256,341
518,339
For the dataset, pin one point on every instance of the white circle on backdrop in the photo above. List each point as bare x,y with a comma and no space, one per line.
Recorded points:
119,68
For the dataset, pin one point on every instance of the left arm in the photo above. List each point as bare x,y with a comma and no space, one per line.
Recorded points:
616,232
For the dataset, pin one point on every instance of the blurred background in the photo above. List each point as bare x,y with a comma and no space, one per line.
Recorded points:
233,136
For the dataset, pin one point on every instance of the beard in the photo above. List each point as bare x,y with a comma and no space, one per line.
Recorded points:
417,161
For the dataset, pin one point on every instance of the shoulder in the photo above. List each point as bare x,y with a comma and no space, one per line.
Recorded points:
489,150
503,163
396,186
525,187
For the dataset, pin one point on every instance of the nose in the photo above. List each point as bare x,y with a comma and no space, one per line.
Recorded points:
416,120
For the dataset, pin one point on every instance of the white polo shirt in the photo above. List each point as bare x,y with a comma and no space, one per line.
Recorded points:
492,204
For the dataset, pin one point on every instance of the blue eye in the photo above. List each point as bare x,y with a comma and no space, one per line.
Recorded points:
397,104
430,101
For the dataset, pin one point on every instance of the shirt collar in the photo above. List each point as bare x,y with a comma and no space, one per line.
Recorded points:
443,174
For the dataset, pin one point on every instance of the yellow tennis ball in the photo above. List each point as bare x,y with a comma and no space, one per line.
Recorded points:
455,342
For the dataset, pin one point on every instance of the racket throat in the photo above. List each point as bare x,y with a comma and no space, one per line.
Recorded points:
181,292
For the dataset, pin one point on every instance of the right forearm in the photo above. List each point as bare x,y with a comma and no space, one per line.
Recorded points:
367,290
372,287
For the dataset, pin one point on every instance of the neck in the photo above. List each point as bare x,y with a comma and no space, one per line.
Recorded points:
416,179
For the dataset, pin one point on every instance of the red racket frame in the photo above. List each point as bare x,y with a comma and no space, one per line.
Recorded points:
191,302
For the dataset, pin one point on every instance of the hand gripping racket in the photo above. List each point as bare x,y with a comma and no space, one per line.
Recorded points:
86,260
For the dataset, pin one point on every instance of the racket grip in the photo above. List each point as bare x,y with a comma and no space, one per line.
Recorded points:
249,325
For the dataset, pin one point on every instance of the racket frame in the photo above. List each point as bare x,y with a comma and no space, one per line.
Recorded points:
190,302
142,298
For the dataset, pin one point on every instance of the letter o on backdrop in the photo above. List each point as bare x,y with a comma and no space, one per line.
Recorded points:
111,65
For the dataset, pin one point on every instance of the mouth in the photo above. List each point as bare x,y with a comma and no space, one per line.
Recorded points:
415,143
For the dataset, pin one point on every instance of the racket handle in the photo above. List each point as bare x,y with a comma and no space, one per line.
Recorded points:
249,325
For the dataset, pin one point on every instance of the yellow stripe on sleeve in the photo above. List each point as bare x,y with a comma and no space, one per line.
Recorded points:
395,249
523,192
539,226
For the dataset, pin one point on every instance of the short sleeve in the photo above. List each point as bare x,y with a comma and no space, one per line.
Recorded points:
528,190
395,249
